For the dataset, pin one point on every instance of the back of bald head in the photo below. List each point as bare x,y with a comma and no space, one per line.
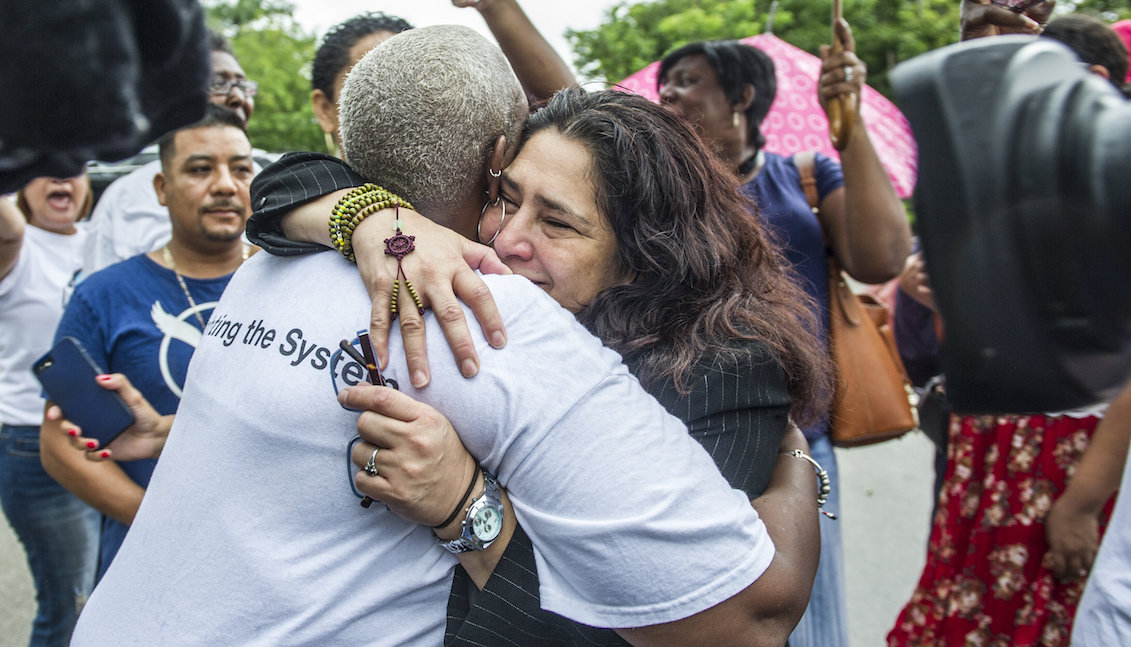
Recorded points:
420,114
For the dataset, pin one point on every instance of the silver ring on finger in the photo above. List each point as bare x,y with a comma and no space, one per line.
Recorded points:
849,73
371,465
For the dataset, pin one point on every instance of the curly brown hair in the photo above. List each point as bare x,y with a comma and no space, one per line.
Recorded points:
705,271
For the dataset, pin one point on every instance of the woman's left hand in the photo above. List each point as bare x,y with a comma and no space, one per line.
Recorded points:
422,468
144,439
842,73
1074,537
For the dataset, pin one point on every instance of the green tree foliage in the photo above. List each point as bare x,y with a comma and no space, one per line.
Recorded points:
634,34
1109,10
275,51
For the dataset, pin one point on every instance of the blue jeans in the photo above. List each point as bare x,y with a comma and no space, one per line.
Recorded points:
825,623
58,531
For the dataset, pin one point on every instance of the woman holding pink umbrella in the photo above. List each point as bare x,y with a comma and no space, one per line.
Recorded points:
725,89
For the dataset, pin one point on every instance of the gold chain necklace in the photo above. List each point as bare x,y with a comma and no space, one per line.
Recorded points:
168,255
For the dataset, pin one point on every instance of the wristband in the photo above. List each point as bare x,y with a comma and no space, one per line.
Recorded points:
822,478
459,506
354,207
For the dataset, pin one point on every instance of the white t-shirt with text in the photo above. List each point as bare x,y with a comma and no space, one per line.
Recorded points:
249,533
31,304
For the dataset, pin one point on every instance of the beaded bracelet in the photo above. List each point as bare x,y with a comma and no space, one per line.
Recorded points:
354,207
822,476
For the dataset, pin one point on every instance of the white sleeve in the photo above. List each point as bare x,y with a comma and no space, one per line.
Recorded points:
127,221
631,522
16,275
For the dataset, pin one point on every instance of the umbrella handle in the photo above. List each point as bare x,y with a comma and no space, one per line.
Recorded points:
842,108
842,118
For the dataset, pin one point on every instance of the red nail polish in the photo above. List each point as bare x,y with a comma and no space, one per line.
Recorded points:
105,454
90,444
104,378
72,432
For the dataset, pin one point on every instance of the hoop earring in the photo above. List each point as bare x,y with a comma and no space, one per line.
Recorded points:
495,174
479,225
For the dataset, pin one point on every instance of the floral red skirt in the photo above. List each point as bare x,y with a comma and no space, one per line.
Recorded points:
984,584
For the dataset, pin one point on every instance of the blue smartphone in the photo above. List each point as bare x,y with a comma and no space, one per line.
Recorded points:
68,374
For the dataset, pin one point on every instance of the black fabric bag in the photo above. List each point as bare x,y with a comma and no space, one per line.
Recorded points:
95,79
1022,203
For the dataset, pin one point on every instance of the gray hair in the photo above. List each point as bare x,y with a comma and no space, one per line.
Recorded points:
420,113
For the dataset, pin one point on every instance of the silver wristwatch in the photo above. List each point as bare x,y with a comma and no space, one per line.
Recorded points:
482,523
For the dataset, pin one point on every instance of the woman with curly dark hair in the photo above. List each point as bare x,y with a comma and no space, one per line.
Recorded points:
690,283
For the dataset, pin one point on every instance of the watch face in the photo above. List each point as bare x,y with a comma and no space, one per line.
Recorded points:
487,523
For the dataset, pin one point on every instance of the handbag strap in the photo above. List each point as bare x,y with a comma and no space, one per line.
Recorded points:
806,163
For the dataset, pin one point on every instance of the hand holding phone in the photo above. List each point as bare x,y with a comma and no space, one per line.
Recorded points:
68,375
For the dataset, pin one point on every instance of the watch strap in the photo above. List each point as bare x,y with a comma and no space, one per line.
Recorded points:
466,541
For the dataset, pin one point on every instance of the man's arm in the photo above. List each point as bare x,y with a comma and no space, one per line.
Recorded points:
765,614
724,428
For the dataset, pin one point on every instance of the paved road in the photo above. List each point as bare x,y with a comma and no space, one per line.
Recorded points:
885,500
17,604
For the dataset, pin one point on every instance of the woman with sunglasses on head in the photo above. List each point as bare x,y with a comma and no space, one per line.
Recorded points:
40,252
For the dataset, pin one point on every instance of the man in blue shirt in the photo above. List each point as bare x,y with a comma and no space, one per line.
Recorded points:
144,316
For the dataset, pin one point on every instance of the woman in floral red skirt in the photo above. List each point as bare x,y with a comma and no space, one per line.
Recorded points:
985,583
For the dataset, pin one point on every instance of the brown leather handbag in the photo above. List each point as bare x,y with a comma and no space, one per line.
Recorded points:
874,400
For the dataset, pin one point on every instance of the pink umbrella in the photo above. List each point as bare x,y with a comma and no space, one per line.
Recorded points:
1123,29
796,122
